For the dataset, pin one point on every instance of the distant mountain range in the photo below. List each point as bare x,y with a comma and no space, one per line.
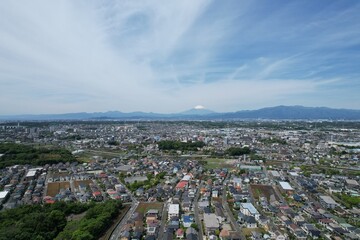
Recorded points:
200,113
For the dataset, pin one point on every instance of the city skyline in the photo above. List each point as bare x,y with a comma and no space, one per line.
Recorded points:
160,56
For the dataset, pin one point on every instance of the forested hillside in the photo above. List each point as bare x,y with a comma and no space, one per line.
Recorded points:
22,154
49,221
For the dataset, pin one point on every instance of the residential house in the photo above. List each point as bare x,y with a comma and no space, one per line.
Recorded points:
173,211
187,220
211,222
328,202
248,209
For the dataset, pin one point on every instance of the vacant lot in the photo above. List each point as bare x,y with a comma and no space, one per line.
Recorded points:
259,190
85,182
54,188
76,217
213,163
144,207
247,231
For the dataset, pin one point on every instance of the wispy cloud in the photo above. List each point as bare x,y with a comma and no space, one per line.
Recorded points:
167,56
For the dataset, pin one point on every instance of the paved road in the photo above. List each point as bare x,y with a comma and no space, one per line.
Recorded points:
72,187
115,235
163,220
197,215
230,215
46,185
106,152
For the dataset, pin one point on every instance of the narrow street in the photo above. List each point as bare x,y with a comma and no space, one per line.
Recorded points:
115,235
163,221
230,215
197,214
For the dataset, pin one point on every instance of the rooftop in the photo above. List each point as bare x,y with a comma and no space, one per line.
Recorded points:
3,194
250,207
174,209
328,200
285,186
210,220
275,173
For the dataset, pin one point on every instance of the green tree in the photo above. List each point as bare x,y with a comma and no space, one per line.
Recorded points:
195,226
236,151
82,235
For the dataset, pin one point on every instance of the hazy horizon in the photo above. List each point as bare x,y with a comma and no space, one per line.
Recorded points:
184,111
169,56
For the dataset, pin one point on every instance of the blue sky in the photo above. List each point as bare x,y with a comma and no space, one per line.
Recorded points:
168,56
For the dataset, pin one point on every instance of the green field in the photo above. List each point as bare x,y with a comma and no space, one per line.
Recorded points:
144,207
247,231
213,163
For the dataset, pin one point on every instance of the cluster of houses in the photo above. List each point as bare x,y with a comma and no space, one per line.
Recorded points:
142,226
21,185
180,212
294,205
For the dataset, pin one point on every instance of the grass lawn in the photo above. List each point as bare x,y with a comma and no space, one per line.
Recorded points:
88,155
247,231
84,157
259,190
213,163
144,207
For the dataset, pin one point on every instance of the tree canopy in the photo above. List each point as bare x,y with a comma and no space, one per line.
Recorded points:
49,221
177,145
237,151
94,224
23,154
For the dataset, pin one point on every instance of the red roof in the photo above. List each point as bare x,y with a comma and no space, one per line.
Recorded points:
96,193
181,184
180,232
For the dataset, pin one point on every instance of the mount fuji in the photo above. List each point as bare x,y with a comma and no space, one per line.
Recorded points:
198,111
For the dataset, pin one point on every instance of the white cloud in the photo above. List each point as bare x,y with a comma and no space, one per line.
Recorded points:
164,56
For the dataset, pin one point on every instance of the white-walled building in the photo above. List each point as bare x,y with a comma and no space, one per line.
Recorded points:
174,210
249,210
328,202
3,195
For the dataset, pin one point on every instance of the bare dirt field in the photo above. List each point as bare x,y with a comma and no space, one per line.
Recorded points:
54,188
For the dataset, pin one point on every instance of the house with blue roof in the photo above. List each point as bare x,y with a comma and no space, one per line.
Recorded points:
187,220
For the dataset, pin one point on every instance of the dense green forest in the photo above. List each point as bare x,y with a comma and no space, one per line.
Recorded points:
22,154
273,140
177,145
49,221
95,222
236,151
